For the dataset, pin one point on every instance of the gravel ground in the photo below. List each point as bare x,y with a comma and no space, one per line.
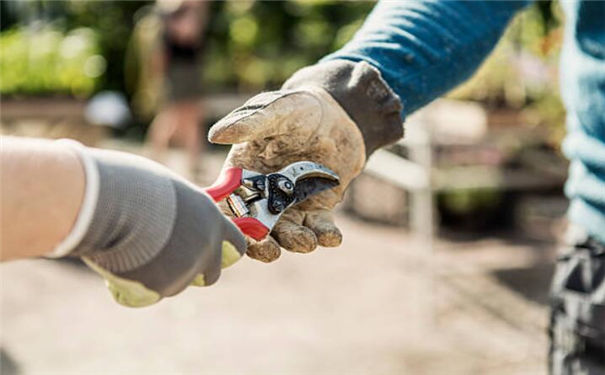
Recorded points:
379,304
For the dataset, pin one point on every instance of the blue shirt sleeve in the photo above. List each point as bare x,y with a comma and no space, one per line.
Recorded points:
425,48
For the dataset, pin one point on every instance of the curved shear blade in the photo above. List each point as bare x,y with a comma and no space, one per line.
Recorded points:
311,186
307,169
309,178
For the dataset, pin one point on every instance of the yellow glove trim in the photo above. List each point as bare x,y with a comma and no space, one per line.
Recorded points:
132,293
125,292
199,280
230,254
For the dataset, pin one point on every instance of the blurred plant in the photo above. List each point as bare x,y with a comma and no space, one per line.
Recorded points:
45,43
42,59
475,210
522,72
466,201
253,45
114,21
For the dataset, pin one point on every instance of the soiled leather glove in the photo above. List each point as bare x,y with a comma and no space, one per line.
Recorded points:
147,231
335,113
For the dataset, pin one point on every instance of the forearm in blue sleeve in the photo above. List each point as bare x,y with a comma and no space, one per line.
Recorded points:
425,48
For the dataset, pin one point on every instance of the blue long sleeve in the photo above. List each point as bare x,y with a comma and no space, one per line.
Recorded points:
425,48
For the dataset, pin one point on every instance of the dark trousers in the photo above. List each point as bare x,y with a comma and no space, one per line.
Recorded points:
577,323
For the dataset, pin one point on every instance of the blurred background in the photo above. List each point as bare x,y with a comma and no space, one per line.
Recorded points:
449,234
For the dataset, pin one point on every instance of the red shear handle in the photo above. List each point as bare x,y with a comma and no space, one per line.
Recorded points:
251,227
229,180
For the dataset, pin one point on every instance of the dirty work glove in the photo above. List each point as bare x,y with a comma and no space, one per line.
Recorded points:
334,113
147,231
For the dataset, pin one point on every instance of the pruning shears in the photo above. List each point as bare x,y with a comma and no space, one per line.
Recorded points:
258,200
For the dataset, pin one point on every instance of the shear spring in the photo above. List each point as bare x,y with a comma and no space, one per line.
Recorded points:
237,205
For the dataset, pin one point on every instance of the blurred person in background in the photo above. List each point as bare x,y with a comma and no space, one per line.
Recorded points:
340,110
175,63
147,231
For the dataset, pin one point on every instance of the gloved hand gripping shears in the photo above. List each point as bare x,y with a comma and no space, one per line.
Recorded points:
257,200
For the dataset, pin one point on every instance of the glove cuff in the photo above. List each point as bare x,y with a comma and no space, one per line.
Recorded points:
362,93
89,203
134,215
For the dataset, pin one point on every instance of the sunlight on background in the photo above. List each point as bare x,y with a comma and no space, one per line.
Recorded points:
85,70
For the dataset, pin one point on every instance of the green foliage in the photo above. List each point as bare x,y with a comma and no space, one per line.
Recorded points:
522,72
46,60
113,21
468,201
523,66
35,34
253,45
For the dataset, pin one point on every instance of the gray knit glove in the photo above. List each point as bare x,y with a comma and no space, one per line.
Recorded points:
150,233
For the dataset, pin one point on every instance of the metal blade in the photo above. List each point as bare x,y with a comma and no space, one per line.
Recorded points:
308,187
307,169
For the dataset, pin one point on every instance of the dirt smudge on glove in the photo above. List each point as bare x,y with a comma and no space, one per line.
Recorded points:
304,125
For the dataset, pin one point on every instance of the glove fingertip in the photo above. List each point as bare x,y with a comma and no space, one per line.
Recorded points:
198,281
235,237
236,127
230,254
322,224
266,251
296,238
329,238
216,133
